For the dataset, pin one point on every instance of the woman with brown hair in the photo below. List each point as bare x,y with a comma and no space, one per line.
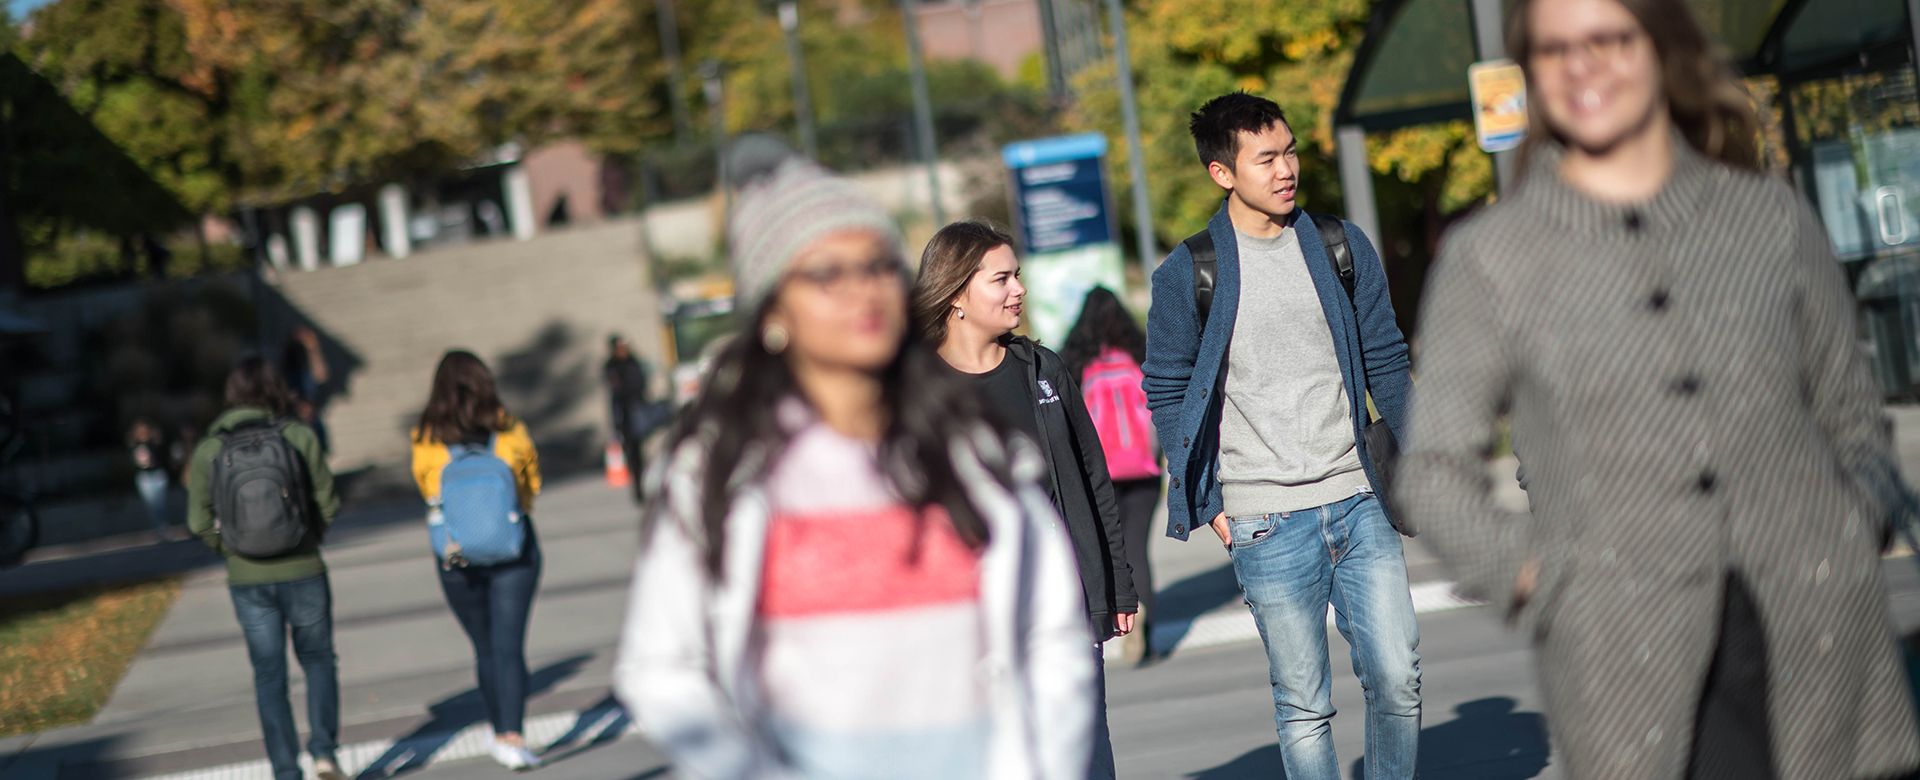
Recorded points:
967,301
1709,466
464,418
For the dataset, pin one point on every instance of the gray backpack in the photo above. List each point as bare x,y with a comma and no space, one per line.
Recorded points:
260,500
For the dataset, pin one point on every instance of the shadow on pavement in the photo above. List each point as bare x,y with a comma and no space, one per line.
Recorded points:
1258,764
80,760
1487,741
1184,601
597,725
140,562
450,715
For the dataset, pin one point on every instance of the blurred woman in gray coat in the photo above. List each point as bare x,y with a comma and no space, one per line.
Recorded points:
1709,466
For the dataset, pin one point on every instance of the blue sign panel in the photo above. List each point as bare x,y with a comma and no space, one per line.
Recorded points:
1059,192
1062,205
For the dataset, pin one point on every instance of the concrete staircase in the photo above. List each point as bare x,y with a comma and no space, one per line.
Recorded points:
537,311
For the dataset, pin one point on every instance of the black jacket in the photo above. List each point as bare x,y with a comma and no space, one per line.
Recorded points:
1082,491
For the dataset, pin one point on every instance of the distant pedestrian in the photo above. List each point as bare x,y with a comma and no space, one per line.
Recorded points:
305,367
1259,366
848,572
626,379
478,471
1104,352
260,494
967,301
152,461
1709,466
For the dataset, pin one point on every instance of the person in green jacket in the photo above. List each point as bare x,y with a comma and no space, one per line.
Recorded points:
289,591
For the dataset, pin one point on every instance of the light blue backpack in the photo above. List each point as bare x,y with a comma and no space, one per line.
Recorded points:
477,521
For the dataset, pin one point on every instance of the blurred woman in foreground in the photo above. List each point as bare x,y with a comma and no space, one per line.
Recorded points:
1709,468
846,572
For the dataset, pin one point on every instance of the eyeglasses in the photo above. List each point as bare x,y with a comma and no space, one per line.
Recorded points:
1601,47
833,279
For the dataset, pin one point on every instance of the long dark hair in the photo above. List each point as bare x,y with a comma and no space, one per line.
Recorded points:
255,382
928,407
1104,322
464,404
1707,103
947,265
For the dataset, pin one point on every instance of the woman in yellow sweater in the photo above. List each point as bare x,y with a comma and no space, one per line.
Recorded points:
491,602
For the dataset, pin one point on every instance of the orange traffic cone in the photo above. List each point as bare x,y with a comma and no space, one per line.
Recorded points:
617,473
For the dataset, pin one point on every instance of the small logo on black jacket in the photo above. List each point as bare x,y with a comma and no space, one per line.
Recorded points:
1047,395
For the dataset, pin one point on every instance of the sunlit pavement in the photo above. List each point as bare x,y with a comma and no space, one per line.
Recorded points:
185,709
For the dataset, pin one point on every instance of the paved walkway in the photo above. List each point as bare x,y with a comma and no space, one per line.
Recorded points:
406,669
185,708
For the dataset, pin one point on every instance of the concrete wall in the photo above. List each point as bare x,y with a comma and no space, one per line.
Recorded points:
537,311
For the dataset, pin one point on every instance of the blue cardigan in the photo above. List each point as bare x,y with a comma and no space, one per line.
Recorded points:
1184,366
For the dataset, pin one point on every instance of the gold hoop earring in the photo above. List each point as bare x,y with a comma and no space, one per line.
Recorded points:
774,338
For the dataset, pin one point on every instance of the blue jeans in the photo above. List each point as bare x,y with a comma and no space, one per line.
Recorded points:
1292,564
266,612
493,604
152,484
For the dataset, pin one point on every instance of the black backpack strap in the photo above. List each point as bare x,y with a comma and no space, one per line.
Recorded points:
1333,233
1206,269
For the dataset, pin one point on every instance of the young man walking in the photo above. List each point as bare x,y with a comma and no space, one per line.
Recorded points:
1259,399
260,494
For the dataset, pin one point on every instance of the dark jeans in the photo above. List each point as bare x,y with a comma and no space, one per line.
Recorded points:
633,448
1101,767
492,604
266,612
1730,739
1138,498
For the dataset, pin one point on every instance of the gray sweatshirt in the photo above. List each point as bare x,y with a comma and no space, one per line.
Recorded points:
1286,437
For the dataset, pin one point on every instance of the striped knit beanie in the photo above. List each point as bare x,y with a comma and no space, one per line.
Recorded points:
786,204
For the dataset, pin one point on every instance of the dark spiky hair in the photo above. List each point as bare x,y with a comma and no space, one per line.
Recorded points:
1217,126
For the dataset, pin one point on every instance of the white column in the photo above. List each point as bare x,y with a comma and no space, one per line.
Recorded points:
519,187
347,234
393,220
277,253
1356,180
306,237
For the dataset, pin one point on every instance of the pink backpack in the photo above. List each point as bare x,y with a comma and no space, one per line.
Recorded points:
1111,387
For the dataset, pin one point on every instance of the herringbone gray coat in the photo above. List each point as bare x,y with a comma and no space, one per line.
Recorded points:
1688,396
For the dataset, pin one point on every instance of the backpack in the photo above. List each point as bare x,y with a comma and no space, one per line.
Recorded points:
260,498
1111,387
476,522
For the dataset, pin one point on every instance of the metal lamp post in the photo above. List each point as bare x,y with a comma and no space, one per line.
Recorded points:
1136,153
796,63
922,108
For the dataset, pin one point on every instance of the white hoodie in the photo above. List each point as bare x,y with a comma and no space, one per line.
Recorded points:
689,674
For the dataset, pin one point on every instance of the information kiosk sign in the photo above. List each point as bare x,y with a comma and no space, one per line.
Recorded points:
1064,219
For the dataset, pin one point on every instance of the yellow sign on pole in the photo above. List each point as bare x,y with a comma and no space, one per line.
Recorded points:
1499,104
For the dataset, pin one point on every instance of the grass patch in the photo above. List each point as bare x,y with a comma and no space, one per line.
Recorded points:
62,653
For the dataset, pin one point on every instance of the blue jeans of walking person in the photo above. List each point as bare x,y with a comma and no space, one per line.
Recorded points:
492,604
152,484
1292,565
266,613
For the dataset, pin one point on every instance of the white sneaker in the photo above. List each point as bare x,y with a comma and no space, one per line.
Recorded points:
516,757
